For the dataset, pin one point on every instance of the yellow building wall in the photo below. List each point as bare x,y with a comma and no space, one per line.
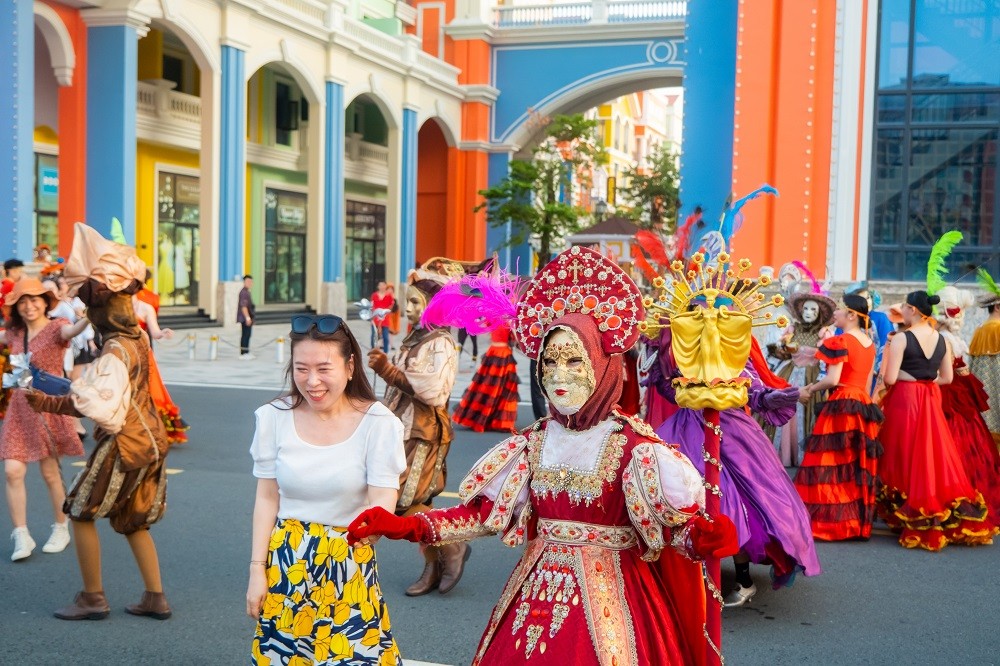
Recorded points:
148,157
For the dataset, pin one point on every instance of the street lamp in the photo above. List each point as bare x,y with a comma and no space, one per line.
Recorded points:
600,209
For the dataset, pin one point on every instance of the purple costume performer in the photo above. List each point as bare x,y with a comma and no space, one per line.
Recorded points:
771,521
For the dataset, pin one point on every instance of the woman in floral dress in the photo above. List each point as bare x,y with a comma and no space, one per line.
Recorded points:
27,436
321,455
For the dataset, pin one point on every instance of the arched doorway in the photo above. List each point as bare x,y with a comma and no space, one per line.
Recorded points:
367,176
433,232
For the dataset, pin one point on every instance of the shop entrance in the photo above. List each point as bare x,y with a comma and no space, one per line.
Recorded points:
284,246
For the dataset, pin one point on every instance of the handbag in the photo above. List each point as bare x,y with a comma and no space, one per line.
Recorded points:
43,381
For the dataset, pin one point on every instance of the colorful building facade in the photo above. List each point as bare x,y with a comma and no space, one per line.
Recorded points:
322,145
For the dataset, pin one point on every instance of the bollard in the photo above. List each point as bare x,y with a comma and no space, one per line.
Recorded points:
279,351
213,348
191,338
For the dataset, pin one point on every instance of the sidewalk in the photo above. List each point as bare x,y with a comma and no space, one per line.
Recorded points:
265,371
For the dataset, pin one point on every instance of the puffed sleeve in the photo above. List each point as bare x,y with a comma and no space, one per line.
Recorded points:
385,458
103,392
264,448
832,350
432,372
663,490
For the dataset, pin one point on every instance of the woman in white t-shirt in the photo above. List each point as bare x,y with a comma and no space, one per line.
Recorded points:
321,455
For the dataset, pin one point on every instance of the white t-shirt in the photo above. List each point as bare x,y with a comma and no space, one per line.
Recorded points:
327,484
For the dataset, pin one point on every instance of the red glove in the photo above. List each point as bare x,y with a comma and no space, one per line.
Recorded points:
716,539
377,521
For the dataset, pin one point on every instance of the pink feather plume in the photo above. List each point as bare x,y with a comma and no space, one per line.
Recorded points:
478,303
817,288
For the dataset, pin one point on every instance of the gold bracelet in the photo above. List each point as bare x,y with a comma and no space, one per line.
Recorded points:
263,563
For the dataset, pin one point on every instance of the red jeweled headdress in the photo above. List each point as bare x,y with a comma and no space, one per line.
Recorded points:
580,280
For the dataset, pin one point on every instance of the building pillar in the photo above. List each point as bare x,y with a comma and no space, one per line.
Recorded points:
17,115
334,214
232,164
709,104
112,71
408,196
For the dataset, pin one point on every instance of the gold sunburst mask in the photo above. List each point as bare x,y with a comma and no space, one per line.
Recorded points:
710,343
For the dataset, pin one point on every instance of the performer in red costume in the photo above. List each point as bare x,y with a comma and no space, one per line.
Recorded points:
596,495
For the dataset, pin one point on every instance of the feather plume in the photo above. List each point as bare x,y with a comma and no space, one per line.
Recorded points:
640,260
985,281
732,220
817,288
936,270
479,303
652,244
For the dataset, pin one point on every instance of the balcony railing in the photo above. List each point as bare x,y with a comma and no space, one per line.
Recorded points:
158,100
583,13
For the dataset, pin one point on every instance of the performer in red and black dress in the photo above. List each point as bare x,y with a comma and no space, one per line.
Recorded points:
596,495
490,401
925,493
837,477
964,401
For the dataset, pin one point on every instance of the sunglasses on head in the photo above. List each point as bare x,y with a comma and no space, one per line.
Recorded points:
325,324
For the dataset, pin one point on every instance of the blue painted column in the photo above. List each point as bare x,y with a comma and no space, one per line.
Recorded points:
333,154
232,164
17,120
709,106
112,61
408,196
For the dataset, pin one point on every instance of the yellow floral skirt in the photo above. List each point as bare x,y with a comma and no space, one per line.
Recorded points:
324,603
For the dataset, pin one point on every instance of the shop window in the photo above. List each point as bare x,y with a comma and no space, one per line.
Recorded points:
365,248
178,239
46,207
285,215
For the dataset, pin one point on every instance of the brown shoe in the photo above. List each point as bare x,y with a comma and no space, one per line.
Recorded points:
453,558
153,604
86,606
431,576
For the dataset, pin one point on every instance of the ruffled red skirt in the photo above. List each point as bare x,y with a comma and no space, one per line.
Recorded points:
964,400
169,412
925,493
490,402
837,477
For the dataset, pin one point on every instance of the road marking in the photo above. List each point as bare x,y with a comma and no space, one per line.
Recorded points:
81,463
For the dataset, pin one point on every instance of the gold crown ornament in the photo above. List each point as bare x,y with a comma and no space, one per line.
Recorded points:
711,312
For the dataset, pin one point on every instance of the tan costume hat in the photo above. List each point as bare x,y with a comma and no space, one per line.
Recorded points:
114,265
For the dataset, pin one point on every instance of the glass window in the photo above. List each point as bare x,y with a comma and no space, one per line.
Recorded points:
956,43
365,248
47,201
284,246
894,43
934,167
178,239
953,108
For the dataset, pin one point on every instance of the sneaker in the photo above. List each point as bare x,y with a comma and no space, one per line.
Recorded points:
58,540
739,596
247,357
23,544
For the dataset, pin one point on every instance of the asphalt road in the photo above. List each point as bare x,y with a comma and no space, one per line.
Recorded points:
875,603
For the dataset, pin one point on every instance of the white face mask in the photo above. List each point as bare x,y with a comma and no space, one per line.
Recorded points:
567,374
810,312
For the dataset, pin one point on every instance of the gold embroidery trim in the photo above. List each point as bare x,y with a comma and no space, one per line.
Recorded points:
504,504
608,617
648,474
587,534
642,516
514,583
577,484
482,474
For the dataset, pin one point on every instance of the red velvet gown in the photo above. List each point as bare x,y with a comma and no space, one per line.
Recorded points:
585,592
837,477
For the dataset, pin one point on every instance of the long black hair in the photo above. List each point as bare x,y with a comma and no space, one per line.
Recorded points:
358,390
